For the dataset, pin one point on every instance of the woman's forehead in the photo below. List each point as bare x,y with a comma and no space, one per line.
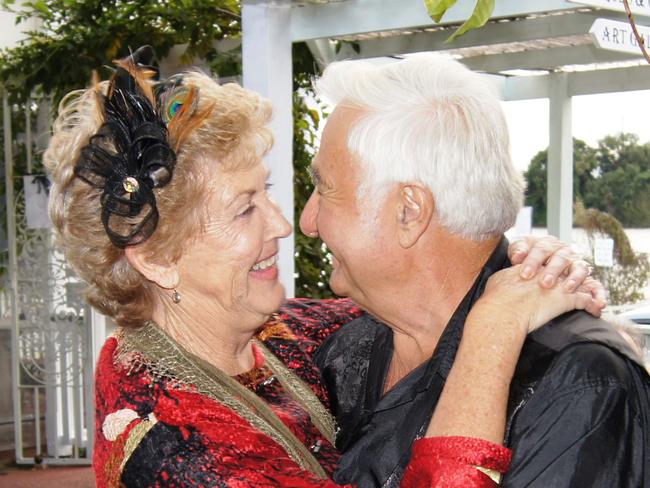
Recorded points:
230,184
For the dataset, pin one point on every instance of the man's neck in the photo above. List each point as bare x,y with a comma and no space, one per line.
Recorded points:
426,297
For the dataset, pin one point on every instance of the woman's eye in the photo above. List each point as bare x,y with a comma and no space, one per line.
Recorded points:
247,211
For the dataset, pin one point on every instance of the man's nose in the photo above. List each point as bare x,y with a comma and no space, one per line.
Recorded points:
308,224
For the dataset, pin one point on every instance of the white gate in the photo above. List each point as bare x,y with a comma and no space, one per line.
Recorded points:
52,336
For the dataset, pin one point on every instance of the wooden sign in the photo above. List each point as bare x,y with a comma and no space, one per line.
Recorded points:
639,7
618,36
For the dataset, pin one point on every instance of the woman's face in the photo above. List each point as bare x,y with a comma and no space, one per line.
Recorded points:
232,264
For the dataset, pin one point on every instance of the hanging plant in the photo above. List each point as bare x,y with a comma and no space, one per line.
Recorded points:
481,14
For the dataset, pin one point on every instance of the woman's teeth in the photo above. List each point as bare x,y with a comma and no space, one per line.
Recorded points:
267,263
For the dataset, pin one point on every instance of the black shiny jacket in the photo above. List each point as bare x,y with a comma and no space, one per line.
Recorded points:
579,410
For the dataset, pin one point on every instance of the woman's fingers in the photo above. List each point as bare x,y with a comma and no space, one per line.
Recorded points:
532,306
518,250
578,271
559,263
597,292
547,252
554,262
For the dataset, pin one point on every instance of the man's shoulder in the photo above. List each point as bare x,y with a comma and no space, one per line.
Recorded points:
590,364
578,327
577,397
577,351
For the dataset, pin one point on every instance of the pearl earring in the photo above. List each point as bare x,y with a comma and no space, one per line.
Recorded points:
176,297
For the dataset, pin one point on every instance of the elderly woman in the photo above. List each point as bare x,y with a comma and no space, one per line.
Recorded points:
160,203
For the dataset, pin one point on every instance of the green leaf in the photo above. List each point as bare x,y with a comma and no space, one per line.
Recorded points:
437,8
315,117
479,17
41,6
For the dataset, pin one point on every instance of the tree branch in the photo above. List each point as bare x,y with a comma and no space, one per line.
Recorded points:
639,39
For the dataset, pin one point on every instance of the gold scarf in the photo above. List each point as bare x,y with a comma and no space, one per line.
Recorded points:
150,347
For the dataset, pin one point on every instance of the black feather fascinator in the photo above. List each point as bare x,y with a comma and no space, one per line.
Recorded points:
130,155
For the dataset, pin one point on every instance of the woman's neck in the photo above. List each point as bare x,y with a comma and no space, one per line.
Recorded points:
209,334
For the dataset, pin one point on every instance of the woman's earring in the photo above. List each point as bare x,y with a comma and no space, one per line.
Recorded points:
176,297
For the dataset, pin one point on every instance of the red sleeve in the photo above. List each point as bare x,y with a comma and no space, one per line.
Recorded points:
450,462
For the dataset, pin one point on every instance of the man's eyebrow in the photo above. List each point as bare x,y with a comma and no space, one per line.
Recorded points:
314,175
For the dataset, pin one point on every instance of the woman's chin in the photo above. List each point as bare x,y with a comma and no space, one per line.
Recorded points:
268,296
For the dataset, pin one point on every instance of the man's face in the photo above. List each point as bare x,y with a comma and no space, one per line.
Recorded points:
333,213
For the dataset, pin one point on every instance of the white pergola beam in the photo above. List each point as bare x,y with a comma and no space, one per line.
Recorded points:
559,202
322,20
579,83
545,59
609,80
523,87
267,69
493,33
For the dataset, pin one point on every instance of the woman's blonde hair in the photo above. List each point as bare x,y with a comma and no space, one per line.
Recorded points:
229,132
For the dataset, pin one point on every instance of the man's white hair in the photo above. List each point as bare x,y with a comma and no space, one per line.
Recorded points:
429,119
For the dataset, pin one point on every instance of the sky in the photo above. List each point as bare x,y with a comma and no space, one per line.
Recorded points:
594,116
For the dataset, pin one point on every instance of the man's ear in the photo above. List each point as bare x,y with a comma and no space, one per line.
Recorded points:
415,210
165,276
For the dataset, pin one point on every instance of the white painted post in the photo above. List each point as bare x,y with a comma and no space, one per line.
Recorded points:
13,279
267,67
559,208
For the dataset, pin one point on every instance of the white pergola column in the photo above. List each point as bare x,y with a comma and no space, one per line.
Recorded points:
559,208
267,69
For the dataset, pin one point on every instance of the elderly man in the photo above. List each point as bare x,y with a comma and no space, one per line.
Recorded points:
414,190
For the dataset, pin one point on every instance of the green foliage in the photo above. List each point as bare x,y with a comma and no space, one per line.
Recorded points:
621,185
75,38
481,14
536,178
625,283
313,261
437,8
628,277
613,178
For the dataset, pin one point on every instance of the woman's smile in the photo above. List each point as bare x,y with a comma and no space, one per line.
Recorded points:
266,269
